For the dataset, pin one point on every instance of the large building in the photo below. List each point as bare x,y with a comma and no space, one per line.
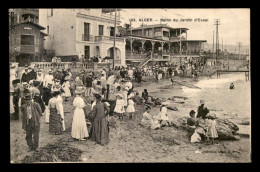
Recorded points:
25,36
83,33
160,43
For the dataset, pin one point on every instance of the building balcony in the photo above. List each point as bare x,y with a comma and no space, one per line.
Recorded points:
177,38
87,37
108,38
26,49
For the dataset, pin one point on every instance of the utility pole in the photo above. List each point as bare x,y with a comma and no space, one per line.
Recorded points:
213,45
239,45
114,49
217,22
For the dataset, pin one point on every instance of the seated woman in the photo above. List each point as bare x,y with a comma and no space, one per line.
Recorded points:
155,124
147,118
164,119
191,123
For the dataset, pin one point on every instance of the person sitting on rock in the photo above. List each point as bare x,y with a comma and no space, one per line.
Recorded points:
191,123
202,110
145,95
137,99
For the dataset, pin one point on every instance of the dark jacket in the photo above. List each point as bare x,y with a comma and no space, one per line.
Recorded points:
46,95
38,99
36,114
25,77
202,112
88,81
33,75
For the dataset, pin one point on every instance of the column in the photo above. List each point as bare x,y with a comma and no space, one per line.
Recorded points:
153,42
162,43
131,47
180,43
142,41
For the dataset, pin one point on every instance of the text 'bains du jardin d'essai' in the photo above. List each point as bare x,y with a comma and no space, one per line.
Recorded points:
168,20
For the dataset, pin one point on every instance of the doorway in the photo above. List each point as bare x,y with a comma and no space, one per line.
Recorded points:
87,52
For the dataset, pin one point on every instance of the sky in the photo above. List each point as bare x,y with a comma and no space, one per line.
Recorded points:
234,23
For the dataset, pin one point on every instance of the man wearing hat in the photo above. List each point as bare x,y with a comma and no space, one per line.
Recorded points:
48,79
202,110
31,114
37,98
25,76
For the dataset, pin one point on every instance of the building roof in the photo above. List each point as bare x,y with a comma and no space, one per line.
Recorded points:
108,10
35,24
158,25
193,40
44,34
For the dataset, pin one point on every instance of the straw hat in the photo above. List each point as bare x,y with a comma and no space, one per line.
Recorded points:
79,90
50,71
202,101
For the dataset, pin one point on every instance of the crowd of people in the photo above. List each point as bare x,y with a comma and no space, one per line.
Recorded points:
95,96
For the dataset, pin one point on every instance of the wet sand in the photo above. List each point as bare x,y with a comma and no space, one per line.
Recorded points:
130,142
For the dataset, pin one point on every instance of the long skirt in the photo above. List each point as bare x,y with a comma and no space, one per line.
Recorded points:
55,123
79,127
100,131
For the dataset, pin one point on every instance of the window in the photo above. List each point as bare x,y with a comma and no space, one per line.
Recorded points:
52,12
48,29
112,31
27,39
100,29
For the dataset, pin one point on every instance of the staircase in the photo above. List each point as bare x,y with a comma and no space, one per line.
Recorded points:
145,61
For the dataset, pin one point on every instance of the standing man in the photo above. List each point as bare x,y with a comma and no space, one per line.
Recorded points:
33,74
31,114
48,79
202,110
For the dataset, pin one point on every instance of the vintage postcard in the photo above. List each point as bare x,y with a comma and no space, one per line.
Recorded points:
115,85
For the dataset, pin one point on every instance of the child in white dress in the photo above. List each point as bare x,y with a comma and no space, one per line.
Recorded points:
212,131
130,108
120,103
66,88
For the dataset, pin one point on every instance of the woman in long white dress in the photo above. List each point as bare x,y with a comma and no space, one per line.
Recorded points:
79,129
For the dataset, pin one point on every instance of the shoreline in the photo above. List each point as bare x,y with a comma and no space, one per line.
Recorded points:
130,142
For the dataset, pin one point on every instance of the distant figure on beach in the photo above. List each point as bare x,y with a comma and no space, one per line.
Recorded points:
231,86
145,95
172,80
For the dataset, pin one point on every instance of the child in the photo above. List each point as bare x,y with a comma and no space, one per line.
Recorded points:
147,118
120,105
164,120
211,130
66,88
130,108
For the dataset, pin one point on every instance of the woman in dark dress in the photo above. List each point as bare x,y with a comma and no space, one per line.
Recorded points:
55,121
99,131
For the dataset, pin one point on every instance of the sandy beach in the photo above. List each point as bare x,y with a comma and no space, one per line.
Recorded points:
130,142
